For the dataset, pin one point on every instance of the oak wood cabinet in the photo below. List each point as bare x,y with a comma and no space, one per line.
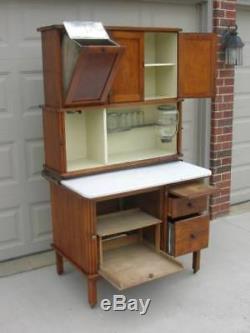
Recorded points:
128,85
102,113
88,85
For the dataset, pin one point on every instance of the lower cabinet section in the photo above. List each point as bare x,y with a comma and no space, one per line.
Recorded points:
123,239
188,235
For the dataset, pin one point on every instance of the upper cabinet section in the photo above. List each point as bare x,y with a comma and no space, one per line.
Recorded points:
77,73
139,65
197,59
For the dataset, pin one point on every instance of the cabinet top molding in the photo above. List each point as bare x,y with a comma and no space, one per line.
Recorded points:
124,28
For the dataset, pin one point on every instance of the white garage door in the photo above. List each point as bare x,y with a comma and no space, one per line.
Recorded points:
24,197
241,121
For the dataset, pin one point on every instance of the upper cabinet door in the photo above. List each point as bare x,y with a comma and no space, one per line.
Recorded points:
197,65
128,85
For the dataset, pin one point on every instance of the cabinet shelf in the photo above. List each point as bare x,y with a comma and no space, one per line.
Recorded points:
160,64
124,221
148,98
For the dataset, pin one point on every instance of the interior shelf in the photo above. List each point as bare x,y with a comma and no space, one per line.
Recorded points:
127,220
132,265
159,64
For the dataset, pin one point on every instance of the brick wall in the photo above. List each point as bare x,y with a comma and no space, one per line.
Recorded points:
224,14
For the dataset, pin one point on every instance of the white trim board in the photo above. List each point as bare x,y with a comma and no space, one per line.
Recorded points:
117,182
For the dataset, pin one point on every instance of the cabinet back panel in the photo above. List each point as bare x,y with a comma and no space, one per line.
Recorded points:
160,47
160,82
86,143
76,139
139,142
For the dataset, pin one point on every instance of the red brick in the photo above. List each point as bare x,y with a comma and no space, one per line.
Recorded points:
228,98
226,90
228,114
227,160
217,4
226,176
228,5
230,14
227,72
219,13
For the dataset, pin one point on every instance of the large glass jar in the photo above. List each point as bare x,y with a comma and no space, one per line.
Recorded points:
168,121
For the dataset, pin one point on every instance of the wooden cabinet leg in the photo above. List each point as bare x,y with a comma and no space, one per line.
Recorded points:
59,264
196,261
92,291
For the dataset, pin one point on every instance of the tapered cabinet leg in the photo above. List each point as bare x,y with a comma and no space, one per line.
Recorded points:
59,264
92,291
196,261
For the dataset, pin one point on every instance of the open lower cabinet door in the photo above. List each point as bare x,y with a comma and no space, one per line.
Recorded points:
197,65
93,75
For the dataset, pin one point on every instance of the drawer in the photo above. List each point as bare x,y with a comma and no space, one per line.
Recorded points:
179,207
188,235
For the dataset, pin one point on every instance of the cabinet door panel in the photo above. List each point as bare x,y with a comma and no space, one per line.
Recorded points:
128,85
93,75
197,64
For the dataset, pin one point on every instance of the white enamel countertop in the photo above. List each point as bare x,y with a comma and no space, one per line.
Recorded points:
117,182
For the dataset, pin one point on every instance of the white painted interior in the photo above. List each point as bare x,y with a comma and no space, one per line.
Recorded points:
141,142
86,144
24,206
116,182
241,119
160,53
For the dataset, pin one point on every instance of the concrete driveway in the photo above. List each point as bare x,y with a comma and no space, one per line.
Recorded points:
217,299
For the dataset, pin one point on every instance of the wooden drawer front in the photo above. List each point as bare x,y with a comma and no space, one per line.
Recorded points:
178,207
189,235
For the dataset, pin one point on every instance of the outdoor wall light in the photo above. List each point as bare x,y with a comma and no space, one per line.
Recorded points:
232,45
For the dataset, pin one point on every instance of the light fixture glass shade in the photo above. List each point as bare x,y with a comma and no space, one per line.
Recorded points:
234,56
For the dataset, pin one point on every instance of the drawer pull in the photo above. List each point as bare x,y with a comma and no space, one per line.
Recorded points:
190,205
150,275
192,236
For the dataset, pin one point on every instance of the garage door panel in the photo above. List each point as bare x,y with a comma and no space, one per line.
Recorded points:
242,105
241,195
9,162
246,53
240,175
40,222
241,122
34,158
10,230
31,84
242,81
241,130
241,153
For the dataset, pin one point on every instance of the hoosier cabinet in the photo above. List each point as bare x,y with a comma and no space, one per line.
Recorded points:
124,204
